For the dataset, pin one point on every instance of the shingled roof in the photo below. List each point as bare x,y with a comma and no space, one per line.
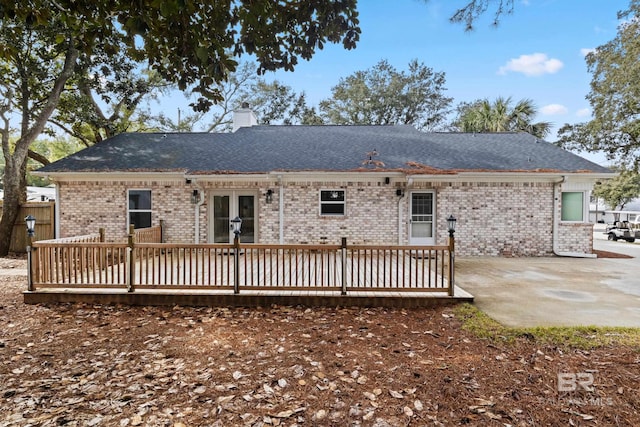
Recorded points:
262,149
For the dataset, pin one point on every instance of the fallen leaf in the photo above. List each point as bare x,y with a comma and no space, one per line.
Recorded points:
396,394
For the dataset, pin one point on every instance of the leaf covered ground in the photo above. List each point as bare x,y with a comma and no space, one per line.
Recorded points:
92,365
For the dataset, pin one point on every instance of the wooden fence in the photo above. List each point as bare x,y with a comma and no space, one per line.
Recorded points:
43,212
342,268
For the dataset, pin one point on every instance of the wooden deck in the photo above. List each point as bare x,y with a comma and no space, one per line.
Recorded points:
247,275
251,298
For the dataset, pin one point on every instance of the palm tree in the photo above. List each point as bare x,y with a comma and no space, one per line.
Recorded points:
499,116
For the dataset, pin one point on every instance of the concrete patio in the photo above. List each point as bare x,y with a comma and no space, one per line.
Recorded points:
529,292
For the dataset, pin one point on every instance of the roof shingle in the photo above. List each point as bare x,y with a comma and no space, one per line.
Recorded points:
261,149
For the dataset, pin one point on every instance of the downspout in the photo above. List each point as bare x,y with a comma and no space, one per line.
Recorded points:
400,217
199,203
555,226
56,212
280,210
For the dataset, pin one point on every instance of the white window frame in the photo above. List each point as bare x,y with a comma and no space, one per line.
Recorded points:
342,202
585,206
129,210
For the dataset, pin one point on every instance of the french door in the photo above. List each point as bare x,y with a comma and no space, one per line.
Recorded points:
227,206
421,220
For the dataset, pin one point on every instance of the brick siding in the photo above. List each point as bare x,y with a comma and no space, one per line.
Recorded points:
494,218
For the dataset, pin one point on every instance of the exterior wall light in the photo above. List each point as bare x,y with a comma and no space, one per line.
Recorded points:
195,197
31,232
31,225
236,225
451,222
269,196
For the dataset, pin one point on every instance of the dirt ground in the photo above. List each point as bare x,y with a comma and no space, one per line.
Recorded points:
88,365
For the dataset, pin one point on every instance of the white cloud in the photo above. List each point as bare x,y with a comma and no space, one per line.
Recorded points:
583,112
585,51
535,64
553,110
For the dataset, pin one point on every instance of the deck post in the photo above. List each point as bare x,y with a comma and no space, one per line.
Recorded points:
162,226
132,274
452,269
29,267
236,264
31,225
343,253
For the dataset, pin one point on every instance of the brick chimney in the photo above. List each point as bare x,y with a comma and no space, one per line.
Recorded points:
244,117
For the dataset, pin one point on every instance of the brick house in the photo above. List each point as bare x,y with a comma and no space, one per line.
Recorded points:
513,194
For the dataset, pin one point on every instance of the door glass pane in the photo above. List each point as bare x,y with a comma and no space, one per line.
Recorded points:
246,211
421,215
421,230
221,224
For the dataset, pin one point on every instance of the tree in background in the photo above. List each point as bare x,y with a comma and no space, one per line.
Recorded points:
383,95
272,102
275,103
500,116
614,97
104,103
470,12
619,191
45,44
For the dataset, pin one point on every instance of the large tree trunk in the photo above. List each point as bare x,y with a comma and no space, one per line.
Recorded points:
16,161
14,196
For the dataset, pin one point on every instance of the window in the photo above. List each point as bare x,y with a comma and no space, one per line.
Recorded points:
332,202
140,208
572,206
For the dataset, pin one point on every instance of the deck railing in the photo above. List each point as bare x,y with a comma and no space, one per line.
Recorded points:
342,268
87,238
147,235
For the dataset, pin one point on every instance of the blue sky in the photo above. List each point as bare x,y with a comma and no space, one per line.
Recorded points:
537,53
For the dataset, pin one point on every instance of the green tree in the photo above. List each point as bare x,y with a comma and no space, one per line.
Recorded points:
275,103
97,106
383,95
470,12
44,44
614,97
619,191
272,102
500,116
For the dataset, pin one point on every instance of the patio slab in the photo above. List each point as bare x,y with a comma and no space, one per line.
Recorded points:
529,292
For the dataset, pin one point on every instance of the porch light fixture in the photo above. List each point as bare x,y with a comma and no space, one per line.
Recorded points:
31,225
451,222
31,232
236,225
269,196
195,196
